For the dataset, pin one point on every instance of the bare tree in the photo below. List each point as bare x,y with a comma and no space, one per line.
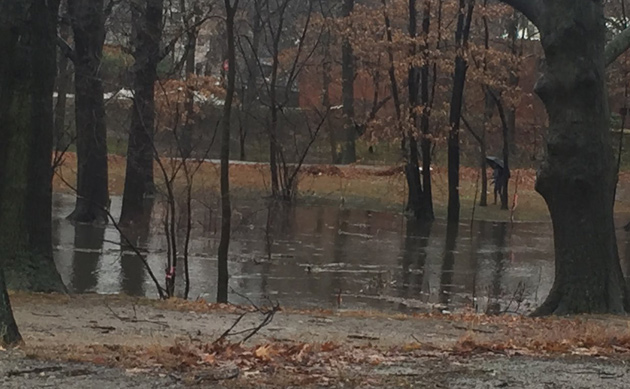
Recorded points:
231,6
348,147
146,17
87,18
28,31
577,178
464,20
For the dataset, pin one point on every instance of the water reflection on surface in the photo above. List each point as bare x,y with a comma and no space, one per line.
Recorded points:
305,257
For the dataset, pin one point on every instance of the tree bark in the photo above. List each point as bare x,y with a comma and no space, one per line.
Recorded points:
276,35
459,80
226,208
513,80
426,142
186,137
27,75
348,148
61,139
617,46
9,333
487,118
504,178
88,25
415,201
577,177
146,38
326,81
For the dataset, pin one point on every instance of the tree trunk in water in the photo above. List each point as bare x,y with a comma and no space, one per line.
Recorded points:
140,150
415,201
348,148
92,188
577,177
273,102
425,142
273,139
61,139
27,75
505,180
459,80
504,177
226,207
483,167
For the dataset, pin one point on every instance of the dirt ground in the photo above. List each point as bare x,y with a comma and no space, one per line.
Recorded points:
121,342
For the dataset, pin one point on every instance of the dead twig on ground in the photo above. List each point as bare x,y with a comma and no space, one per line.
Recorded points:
36,370
135,318
481,330
268,317
363,337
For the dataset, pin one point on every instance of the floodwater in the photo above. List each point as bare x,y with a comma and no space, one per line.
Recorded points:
324,257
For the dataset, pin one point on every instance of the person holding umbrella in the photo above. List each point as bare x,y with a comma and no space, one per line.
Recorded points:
500,175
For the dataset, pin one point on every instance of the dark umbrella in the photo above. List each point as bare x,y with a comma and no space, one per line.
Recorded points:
495,162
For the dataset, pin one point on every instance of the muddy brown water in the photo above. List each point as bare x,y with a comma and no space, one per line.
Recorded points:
324,257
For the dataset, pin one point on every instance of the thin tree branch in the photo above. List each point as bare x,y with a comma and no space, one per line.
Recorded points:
66,49
472,132
617,46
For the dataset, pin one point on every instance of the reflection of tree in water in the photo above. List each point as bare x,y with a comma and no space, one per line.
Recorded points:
279,222
478,235
446,279
339,249
132,268
495,293
414,256
88,244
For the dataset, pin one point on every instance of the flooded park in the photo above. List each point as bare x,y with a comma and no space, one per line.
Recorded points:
311,257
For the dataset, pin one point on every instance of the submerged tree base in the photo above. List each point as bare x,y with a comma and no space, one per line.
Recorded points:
29,272
88,213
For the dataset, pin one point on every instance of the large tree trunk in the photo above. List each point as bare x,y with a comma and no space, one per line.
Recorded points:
348,149
146,39
457,97
27,75
88,25
226,208
9,333
577,177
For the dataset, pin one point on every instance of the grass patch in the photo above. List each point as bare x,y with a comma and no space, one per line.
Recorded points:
361,187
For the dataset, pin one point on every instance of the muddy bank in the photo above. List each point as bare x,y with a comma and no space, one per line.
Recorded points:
117,341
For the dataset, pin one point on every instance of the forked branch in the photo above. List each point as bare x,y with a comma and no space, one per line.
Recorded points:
532,9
